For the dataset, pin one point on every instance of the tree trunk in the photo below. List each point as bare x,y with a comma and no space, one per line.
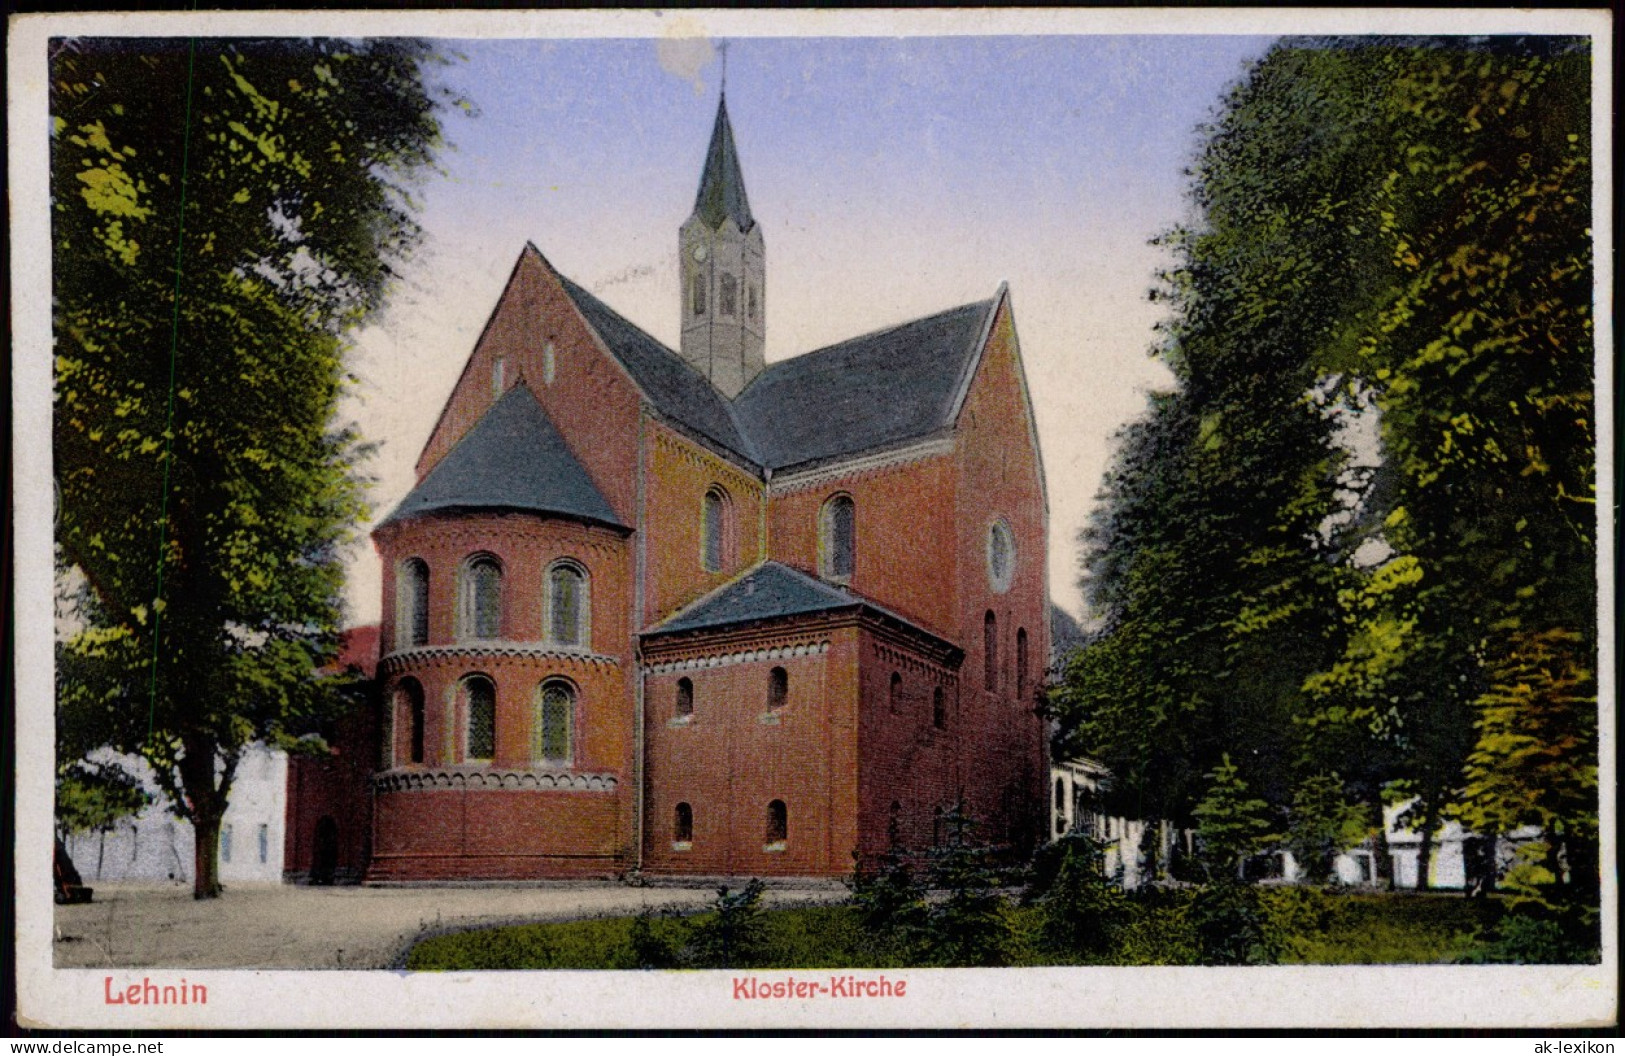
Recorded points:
206,856
206,794
1382,862
1424,854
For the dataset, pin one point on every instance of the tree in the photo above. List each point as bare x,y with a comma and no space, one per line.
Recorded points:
1478,359
1215,557
1323,824
1393,240
1231,824
225,213
967,927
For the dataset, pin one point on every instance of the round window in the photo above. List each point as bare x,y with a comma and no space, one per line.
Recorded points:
1001,556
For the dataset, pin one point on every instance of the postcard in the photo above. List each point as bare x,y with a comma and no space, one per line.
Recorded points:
698,519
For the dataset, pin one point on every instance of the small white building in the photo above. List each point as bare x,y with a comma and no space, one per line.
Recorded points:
156,847
1075,785
1076,782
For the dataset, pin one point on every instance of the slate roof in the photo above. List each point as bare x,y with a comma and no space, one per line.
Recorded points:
677,390
870,391
722,184
512,459
769,591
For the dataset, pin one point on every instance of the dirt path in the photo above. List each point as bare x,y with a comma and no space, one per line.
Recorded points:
284,926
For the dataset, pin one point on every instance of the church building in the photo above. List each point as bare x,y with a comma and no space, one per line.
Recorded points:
689,612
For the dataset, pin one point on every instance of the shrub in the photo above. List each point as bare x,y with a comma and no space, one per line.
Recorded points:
652,947
1158,929
733,936
891,906
1080,911
1230,925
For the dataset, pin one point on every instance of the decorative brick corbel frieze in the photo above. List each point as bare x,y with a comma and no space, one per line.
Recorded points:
406,660
488,779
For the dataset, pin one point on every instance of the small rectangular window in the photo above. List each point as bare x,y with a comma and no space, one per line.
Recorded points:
498,375
265,844
727,294
225,843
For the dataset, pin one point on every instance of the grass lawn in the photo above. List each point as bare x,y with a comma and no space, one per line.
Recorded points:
1313,928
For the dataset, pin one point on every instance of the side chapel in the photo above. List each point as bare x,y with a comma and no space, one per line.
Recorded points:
688,612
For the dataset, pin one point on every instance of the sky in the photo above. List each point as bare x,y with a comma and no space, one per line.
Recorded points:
893,178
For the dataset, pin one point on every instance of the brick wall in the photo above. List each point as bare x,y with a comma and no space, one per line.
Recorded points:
680,472
904,531
732,756
999,478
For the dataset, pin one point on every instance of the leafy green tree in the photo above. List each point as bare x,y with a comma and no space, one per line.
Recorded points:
1393,238
225,213
1231,824
1478,360
95,796
1215,559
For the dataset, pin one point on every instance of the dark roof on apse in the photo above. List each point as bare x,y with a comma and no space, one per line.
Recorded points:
769,591
677,390
512,459
722,184
870,391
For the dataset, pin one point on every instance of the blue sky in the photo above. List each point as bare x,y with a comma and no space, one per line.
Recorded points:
893,177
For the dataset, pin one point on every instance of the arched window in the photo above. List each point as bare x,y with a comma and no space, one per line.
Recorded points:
894,825
386,731
750,301
412,604
569,619
499,375
837,538
480,716
682,827
990,651
417,719
778,688
1021,664
553,723
894,694
727,294
714,530
685,698
700,293
939,709
1001,557
778,825
480,604
405,710
548,363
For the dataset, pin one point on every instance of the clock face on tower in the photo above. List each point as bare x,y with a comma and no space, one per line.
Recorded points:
700,253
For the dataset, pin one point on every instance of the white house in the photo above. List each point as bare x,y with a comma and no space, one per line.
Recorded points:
156,847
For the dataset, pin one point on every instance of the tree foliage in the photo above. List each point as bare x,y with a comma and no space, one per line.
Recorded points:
225,213
1359,532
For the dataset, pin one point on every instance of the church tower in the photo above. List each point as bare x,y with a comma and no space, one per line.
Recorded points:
722,267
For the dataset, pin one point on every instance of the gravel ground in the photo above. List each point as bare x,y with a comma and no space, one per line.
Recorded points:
287,926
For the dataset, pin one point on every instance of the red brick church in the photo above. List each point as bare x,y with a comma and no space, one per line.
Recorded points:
687,612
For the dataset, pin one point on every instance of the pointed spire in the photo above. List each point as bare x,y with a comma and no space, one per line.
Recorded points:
722,185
